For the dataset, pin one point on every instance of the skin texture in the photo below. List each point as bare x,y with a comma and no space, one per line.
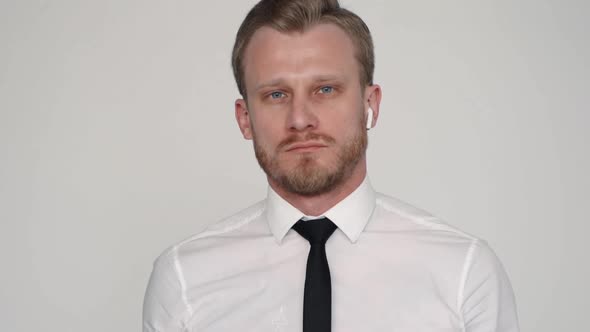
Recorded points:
306,113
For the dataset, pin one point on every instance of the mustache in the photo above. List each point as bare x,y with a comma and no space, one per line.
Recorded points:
305,138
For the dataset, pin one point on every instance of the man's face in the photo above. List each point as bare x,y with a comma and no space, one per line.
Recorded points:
305,108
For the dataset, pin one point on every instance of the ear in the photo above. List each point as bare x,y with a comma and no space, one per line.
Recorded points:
373,100
243,118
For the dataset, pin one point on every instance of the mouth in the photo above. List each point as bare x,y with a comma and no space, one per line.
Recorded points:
305,147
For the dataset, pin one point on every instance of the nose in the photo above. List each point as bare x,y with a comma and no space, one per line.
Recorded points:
301,115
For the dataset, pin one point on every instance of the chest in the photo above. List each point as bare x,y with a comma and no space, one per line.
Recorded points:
372,290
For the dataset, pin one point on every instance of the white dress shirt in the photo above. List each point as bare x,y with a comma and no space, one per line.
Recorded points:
393,268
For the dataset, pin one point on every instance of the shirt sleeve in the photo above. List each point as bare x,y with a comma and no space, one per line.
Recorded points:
165,308
487,300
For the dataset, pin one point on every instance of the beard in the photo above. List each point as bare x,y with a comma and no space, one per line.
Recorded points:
305,176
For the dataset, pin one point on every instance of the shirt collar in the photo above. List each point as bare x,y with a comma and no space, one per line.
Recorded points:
350,215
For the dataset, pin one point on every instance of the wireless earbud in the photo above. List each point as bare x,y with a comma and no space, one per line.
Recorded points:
369,118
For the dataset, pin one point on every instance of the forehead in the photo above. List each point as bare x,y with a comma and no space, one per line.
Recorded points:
324,50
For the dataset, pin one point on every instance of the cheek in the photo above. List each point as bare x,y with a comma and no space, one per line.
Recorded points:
265,133
272,118
343,119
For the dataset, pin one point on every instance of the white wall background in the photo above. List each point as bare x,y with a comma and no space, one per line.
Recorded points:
117,139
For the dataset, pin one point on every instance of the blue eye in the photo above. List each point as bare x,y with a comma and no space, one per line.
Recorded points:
326,89
276,95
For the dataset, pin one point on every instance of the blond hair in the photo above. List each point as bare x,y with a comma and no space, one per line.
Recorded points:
297,16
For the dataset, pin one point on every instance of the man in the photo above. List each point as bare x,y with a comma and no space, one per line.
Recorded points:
323,251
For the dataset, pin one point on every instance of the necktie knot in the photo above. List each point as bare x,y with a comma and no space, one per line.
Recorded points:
316,231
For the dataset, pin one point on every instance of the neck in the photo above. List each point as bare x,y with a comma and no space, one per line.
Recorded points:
319,204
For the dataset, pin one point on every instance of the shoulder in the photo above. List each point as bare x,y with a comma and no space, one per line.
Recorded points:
245,223
180,267
466,264
437,246
465,256
397,215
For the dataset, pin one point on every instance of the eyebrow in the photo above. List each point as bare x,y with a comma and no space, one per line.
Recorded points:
279,81
270,83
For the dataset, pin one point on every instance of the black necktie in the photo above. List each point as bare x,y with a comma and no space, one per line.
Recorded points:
317,299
